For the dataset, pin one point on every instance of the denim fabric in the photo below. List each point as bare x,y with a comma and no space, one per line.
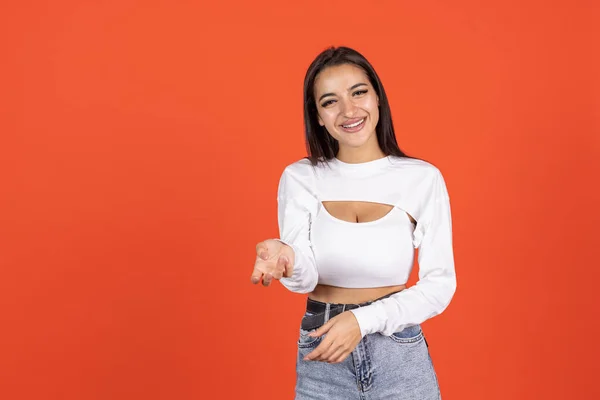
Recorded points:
381,367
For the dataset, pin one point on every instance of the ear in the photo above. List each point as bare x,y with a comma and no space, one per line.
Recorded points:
377,101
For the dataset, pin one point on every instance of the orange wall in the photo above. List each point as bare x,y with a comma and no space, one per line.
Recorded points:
142,142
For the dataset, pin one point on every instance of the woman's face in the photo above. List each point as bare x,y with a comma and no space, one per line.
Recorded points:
347,106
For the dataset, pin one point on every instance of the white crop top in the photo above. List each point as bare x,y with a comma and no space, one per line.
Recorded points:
366,254
379,253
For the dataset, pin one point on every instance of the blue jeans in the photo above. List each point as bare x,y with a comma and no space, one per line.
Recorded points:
396,367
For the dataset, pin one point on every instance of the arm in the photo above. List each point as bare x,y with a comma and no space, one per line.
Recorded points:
296,204
437,280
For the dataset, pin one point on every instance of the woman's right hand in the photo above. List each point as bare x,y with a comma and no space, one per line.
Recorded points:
274,260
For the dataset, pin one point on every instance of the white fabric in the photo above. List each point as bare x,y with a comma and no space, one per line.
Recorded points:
380,253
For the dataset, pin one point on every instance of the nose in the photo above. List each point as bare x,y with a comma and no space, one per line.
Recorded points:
348,108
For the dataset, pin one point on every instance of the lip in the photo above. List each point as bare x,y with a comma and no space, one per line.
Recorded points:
356,128
352,121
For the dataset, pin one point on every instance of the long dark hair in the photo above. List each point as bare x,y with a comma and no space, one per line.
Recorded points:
320,145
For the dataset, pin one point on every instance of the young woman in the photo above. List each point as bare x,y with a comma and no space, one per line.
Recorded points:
350,217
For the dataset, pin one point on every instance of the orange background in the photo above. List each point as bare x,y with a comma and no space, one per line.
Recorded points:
141,146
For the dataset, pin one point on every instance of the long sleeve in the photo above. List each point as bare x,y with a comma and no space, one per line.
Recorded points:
436,286
296,205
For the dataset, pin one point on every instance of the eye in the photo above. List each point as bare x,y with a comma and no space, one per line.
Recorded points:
328,102
359,92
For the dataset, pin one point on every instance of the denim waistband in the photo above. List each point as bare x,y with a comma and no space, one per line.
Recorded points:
318,312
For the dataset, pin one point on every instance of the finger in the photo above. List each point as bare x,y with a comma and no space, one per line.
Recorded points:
333,350
267,279
316,353
277,274
331,347
341,358
323,329
262,251
333,356
279,268
287,267
256,275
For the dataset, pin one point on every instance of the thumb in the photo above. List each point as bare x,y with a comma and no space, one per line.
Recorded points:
322,330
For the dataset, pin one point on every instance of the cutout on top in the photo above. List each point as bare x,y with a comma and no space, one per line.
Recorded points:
359,211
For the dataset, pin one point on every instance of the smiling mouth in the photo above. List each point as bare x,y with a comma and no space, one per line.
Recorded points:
354,125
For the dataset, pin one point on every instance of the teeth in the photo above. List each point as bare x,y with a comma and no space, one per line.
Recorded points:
354,124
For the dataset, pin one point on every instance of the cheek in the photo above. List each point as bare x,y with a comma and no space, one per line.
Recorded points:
375,115
374,110
328,118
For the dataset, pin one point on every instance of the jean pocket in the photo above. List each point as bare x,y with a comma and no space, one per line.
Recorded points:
306,341
410,334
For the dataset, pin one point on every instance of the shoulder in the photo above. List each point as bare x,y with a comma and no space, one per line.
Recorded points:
415,169
303,169
422,181
297,178
300,166
412,163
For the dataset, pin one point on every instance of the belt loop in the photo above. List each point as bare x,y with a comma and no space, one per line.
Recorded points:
344,308
327,308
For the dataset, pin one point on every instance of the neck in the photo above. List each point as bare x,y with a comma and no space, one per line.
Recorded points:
370,151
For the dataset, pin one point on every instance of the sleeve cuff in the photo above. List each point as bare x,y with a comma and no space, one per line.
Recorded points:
369,318
301,280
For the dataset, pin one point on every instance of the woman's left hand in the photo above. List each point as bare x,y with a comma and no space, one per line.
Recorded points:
343,335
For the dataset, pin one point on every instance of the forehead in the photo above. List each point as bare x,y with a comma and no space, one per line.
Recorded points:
339,78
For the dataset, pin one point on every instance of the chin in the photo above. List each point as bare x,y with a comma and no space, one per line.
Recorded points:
356,141
354,144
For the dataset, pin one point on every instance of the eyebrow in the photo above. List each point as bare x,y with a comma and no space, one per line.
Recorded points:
333,94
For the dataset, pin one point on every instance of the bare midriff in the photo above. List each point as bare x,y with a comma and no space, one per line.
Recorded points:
339,295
